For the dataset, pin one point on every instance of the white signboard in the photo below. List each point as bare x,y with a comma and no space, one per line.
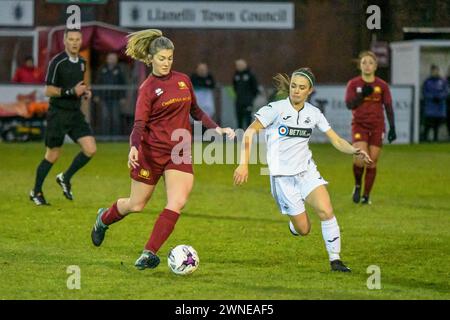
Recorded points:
17,13
192,14
330,99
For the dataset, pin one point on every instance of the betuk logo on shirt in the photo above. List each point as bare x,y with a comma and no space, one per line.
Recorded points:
294,132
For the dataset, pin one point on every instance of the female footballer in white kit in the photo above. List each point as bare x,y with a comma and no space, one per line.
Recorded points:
294,177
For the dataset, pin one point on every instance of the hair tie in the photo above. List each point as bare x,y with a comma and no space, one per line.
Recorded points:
302,73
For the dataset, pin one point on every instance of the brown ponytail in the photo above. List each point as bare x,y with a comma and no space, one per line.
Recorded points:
281,83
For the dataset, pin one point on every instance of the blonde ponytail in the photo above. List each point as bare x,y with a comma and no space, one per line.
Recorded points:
142,45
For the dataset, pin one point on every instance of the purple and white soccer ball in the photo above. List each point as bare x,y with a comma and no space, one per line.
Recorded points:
183,259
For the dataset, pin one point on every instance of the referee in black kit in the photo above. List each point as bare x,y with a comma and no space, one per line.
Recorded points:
66,88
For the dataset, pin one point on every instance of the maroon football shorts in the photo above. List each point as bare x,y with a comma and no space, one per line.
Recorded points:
153,163
373,136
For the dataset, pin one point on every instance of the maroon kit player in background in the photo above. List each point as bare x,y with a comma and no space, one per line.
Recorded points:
365,96
165,101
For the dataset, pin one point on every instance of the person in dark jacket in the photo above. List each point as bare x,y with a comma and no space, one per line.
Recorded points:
245,86
435,91
110,98
204,84
448,104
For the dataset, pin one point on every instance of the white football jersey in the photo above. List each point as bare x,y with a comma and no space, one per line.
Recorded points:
287,135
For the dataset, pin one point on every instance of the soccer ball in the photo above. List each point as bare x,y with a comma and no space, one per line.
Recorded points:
183,259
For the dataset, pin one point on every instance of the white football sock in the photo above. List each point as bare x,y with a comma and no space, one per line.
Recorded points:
332,237
291,226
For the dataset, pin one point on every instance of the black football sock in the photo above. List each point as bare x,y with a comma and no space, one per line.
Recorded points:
358,173
78,162
41,173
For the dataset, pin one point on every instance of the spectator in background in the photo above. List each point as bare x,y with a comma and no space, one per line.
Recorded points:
435,91
110,99
245,86
28,73
448,103
204,85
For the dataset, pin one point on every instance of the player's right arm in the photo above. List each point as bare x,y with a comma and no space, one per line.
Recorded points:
354,98
141,116
264,118
241,172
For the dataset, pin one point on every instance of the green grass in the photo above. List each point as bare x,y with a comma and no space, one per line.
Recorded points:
244,245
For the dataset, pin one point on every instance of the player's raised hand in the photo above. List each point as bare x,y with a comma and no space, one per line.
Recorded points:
240,175
228,131
361,154
367,90
133,158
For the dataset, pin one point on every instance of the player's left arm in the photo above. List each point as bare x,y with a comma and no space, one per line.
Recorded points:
387,102
345,147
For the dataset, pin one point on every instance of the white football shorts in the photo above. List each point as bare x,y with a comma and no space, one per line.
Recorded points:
290,192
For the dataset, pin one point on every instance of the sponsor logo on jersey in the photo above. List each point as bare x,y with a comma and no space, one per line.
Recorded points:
159,92
175,100
283,130
307,120
144,173
287,117
294,132
182,85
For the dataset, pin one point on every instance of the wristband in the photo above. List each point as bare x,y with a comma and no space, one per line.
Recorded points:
67,92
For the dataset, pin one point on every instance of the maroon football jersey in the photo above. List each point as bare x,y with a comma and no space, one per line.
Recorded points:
163,106
370,112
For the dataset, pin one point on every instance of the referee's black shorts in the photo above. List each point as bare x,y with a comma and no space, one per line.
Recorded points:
61,122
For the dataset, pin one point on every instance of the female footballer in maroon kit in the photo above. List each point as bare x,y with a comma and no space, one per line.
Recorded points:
365,96
160,143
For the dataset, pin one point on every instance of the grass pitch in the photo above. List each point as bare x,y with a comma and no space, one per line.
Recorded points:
245,248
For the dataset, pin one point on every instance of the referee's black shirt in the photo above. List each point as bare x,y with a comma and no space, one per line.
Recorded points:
64,72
